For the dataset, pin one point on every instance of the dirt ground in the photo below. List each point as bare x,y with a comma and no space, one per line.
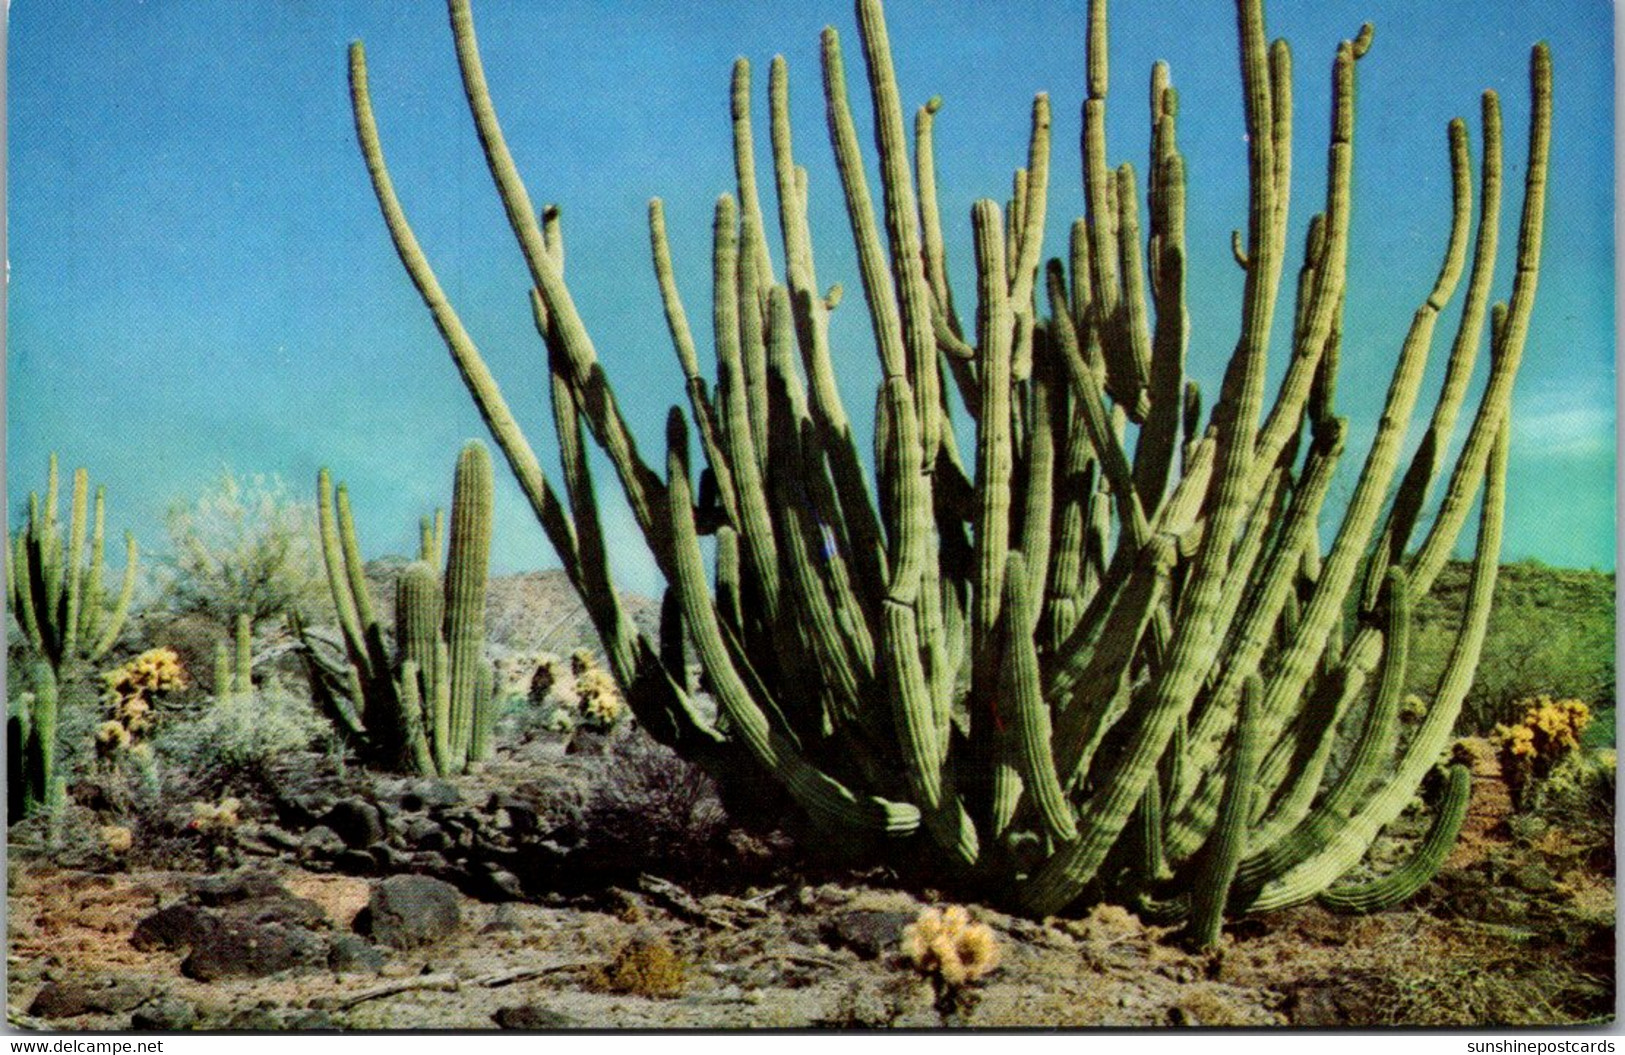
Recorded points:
1517,930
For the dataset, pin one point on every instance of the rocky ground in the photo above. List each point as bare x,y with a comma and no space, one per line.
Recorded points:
528,897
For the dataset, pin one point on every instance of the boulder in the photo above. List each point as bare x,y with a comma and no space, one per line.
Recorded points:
406,911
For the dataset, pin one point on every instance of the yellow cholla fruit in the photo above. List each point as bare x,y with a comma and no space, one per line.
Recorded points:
116,838
949,945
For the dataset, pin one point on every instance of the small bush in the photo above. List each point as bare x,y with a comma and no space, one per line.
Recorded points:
642,967
1532,748
239,735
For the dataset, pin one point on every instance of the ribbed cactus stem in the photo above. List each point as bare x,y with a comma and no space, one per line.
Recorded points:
468,559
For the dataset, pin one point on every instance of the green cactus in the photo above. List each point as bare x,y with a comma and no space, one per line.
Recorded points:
56,594
1098,661
429,707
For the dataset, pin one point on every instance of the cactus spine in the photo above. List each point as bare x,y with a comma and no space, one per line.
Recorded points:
428,707
1075,666
56,594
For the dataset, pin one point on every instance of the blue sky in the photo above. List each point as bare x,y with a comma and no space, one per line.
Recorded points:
200,277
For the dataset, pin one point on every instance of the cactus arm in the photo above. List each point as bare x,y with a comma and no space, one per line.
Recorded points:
92,609
993,453
1133,327
1352,839
756,525
1508,347
683,340
410,695
39,744
1342,562
338,580
902,228
1088,398
1223,850
949,330
443,745
753,338
419,615
754,252
470,364
864,545
481,743
822,795
603,415
1037,514
1398,885
74,570
121,607
1463,351
1025,714
1274,846
877,283
355,570
468,557
1153,455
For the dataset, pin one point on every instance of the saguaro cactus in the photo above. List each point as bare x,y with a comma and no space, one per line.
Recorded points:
57,596
428,706
1072,668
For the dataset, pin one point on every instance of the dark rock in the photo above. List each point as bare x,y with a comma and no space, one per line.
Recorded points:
166,1014
421,833
425,794
349,954
230,889
390,860
66,999
534,1016
301,810
356,862
248,950
323,841
283,840
356,821
504,884
428,862
504,919
869,933
285,909
173,927
411,910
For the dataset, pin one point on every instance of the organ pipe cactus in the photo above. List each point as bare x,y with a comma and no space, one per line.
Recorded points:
56,594
426,707
1106,656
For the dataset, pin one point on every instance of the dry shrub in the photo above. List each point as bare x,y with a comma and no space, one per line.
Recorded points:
642,967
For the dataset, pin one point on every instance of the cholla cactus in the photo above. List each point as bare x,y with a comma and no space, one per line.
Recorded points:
598,699
1532,747
949,947
153,671
129,693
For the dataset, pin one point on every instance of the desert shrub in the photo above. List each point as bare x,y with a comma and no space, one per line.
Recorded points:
239,735
244,546
642,967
